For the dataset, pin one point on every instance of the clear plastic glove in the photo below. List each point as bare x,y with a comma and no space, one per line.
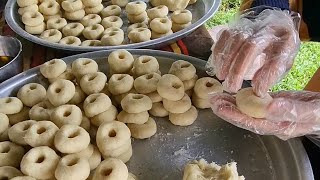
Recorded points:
259,46
290,114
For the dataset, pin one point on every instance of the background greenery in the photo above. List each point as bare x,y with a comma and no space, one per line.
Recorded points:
306,62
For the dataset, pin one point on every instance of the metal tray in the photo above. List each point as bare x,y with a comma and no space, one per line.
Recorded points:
202,11
164,155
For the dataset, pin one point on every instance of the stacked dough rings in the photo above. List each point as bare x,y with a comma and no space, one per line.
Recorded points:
92,6
112,169
158,12
112,36
145,65
73,9
160,27
181,19
91,19
49,9
25,6
139,35
72,167
34,22
136,11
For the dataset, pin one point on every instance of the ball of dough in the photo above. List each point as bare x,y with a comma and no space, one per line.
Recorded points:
147,83
33,8
88,43
121,3
154,96
71,5
155,35
95,104
184,70
56,23
36,29
8,172
120,61
184,119
181,16
90,19
40,162
139,35
78,97
31,18
107,116
137,18
60,92
112,169
120,83
111,10
72,167
71,139
158,12
178,27
71,41
53,68
41,134
10,154
136,118
136,7
31,94
93,82
75,15
82,66
4,123
49,7
189,84
51,35
94,10
91,3
252,105
23,178
93,32
161,25
136,25
158,110
18,131
143,131
41,111
179,106
170,87
113,38
66,114
10,105
136,103
206,86
24,3
72,29
200,103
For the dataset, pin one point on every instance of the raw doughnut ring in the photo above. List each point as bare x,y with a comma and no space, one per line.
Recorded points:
139,35
82,66
93,82
78,97
137,18
120,61
41,134
56,23
72,167
147,83
75,15
107,153
183,70
70,40
178,27
158,110
125,157
158,12
10,154
71,5
60,92
136,118
154,96
71,139
251,104
155,35
23,115
206,86
66,114
111,10
86,153
37,158
184,119
4,123
41,111
94,10
112,38
120,83
35,29
87,43
73,29
112,21
143,131
90,19
10,105
67,75
118,98
170,87
136,7
161,25
8,172
91,3
32,18
95,159
136,25
33,8
95,104
17,132
179,106
136,103
23,178
112,169
51,35
106,116
105,90
53,68
189,84
31,94
121,3
58,15
49,7
181,16
25,3
93,32
145,65
200,103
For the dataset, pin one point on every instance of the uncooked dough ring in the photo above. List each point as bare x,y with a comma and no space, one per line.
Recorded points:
95,104
67,75
8,172
158,110
73,29
143,131
82,66
90,19
31,18
181,16
178,27
56,23
158,12
155,35
145,65
136,25
75,15
47,17
35,29
111,168
71,41
112,21
107,116
184,119
94,10
136,103
179,106
125,157
93,32
25,3
66,114
154,96
37,158
87,43
137,18
95,158
120,83
53,68
93,82
60,92
136,118
51,35
200,103
206,86
18,131
10,105
71,5
136,7
72,167
23,115
33,8
161,25
112,38
121,3
139,35
78,97
120,61
184,70
147,83
189,84
41,111
170,87
11,154
49,7
41,134
111,10
31,94
91,3
4,123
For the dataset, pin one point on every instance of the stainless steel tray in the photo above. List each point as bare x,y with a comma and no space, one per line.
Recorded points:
202,11
164,155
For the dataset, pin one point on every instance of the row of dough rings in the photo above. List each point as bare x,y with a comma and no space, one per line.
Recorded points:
91,3
184,70
91,43
56,23
24,3
32,8
66,114
113,38
145,65
72,167
93,82
51,35
143,131
179,106
106,116
93,32
112,21
136,103
155,35
146,83
111,10
121,3
73,29
120,61
136,8
111,168
135,118
136,25
49,7
158,110
158,12
181,16
11,154
90,19
94,10
139,35
142,17
71,41
72,5
161,25
184,119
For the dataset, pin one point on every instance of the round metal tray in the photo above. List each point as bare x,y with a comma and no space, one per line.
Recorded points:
164,155
202,11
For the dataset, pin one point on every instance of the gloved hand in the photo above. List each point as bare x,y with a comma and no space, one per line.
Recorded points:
259,46
290,114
